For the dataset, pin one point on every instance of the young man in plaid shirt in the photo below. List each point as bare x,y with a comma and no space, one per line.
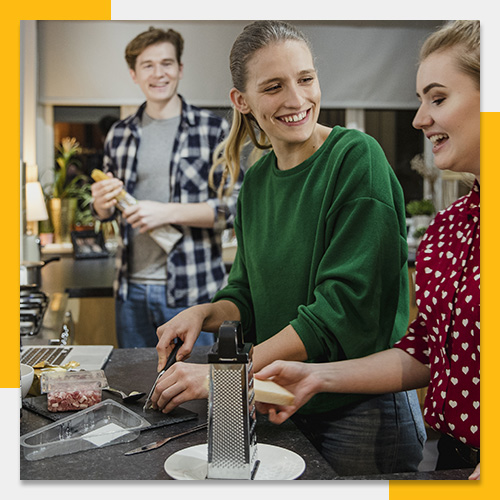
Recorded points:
162,155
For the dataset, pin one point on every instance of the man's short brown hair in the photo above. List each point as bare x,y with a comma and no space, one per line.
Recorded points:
151,37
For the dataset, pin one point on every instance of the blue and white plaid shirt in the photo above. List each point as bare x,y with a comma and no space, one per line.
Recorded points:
195,270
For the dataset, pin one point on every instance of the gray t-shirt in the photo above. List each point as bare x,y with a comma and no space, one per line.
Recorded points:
147,260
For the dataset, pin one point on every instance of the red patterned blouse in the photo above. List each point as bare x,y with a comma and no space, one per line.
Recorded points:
445,334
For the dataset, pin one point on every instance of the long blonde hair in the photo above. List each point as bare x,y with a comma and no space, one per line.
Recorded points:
245,129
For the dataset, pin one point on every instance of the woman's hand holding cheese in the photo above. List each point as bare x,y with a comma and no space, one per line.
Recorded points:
298,378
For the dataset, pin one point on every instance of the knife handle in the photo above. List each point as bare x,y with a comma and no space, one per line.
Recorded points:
170,361
171,358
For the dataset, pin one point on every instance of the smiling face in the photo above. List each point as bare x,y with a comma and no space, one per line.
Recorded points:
449,114
157,72
283,94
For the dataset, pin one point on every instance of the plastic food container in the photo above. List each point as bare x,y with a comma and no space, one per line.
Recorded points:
103,424
69,391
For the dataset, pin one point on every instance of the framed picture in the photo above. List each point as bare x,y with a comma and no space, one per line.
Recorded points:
88,245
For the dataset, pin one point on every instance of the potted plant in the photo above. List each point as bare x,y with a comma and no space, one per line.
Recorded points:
421,212
84,219
67,189
420,207
46,230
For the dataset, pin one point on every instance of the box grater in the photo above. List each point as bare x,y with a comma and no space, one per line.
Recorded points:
232,441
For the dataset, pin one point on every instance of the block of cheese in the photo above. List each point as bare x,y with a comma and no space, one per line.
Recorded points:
98,175
124,199
267,391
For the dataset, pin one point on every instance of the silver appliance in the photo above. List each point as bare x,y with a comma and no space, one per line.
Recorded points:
33,304
232,440
44,317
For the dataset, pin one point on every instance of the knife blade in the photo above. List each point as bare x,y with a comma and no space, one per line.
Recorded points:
170,361
156,444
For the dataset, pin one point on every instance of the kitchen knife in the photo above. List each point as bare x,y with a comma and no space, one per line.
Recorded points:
170,362
156,444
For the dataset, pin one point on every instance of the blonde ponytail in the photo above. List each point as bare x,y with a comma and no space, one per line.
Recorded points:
228,153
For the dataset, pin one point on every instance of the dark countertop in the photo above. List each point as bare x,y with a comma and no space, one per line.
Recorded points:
79,277
135,369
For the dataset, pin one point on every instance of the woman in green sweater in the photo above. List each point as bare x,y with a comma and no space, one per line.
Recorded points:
321,268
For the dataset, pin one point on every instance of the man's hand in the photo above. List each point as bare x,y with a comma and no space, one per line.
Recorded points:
104,194
146,215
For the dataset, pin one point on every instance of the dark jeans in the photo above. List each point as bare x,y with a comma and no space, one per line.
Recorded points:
382,435
145,309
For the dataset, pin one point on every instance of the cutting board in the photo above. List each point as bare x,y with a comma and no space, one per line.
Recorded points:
154,417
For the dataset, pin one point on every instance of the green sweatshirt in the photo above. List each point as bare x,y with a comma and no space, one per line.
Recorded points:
322,247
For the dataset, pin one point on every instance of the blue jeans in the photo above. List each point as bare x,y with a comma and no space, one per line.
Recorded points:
145,309
384,434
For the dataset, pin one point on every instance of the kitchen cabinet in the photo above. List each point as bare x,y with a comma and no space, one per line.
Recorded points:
93,320
79,278
88,284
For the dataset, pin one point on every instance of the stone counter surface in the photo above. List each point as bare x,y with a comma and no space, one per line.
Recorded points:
135,369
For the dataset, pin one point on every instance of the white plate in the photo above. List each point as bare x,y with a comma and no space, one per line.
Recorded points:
276,464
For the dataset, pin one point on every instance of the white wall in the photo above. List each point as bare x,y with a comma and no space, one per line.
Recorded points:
361,64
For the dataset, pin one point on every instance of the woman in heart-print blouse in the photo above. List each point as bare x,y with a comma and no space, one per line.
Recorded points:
441,347
445,334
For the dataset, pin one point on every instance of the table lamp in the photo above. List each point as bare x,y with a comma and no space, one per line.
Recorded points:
36,211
